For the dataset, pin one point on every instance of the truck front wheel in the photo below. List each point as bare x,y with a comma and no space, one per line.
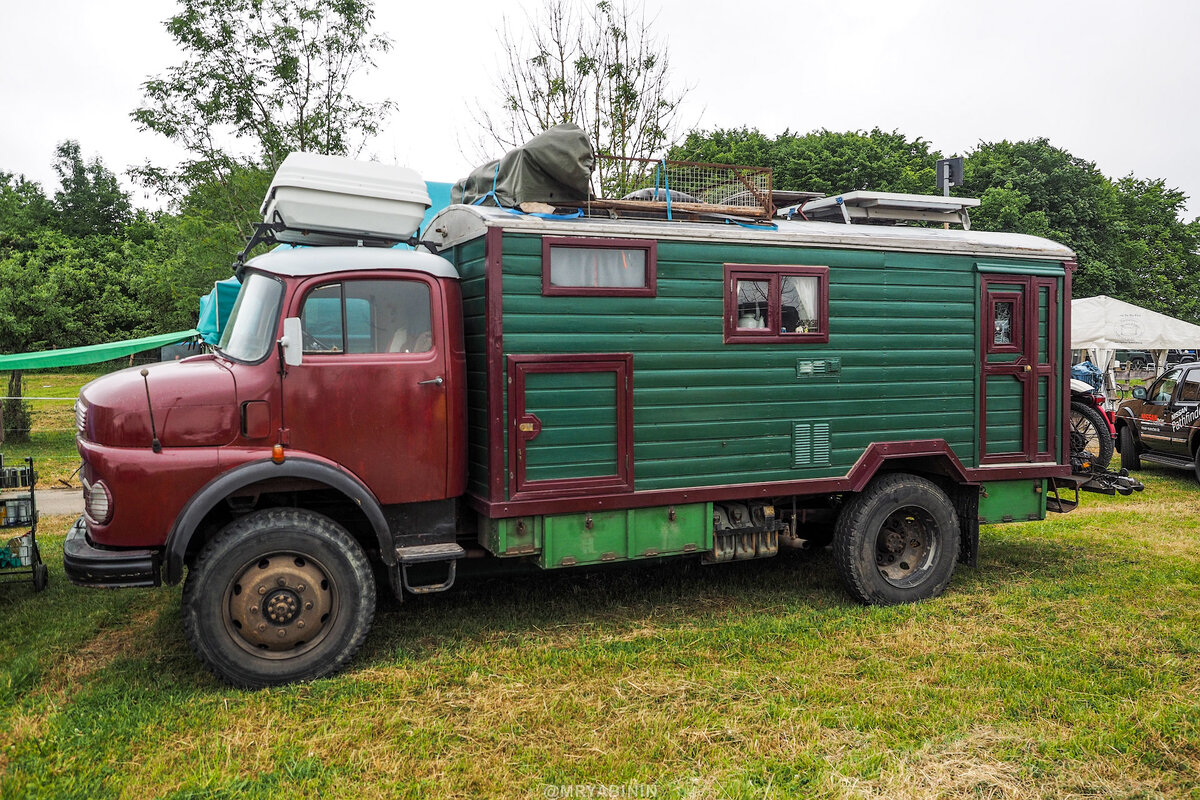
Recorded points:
896,541
277,596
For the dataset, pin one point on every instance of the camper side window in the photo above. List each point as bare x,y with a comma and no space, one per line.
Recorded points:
574,265
776,303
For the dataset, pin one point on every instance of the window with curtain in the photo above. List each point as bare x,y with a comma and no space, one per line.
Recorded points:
609,267
776,303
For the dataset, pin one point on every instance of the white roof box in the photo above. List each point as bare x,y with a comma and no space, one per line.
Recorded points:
326,199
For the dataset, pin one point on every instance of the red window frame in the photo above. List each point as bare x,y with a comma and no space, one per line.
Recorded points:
1017,322
772,274
649,289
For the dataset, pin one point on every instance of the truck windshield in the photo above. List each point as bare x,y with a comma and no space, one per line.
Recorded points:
251,329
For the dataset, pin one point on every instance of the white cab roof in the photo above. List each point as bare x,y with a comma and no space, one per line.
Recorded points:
303,261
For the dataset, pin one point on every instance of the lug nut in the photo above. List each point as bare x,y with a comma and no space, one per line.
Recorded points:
300,623
300,587
282,633
262,626
281,581
262,590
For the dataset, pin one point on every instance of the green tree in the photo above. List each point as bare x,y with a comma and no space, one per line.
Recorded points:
604,71
1064,197
91,200
24,209
271,74
1159,252
822,161
197,243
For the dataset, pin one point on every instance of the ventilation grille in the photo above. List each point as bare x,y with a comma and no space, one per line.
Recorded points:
822,366
810,444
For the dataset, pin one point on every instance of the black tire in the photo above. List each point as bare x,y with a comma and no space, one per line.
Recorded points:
1196,464
897,541
41,577
1129,453
1089,433
317,599
1137,364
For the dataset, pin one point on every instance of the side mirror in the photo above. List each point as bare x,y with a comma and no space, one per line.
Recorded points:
1139,393
293,336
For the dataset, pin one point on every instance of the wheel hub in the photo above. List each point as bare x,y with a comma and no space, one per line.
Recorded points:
904,546
281,607
279,603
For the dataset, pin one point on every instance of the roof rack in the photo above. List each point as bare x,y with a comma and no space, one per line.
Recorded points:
686,188
886,207
268,232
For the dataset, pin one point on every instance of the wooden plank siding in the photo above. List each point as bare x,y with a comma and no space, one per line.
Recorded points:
469,258
905,327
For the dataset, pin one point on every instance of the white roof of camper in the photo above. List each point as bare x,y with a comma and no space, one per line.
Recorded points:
459,223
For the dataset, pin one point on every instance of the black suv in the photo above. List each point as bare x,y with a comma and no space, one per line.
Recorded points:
1135,359
1180,357
1162,422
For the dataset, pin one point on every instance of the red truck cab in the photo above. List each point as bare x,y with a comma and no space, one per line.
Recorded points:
366,424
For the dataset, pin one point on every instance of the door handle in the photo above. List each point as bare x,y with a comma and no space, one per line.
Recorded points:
438,381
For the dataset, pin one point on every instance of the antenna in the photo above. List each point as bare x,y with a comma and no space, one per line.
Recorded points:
155,444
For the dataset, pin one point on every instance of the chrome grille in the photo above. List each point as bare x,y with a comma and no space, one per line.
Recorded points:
80,416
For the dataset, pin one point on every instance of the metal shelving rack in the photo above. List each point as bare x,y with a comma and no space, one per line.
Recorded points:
20,558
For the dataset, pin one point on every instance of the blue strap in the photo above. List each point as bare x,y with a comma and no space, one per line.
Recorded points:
667,187
770,226
491,194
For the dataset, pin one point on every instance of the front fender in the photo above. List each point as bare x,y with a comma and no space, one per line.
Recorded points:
225,484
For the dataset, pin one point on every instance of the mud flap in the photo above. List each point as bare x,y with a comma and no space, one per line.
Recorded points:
966,505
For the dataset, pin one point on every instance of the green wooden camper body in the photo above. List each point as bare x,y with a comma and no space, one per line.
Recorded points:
900,383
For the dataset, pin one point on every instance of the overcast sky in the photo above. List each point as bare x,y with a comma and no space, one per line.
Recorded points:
1111,82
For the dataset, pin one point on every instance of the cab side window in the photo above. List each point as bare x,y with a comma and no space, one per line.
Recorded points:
1164,388
1189,393
368,316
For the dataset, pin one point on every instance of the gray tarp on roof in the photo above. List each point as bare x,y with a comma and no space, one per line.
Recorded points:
553,167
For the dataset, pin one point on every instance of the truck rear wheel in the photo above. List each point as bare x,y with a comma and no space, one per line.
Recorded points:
277,596
897,541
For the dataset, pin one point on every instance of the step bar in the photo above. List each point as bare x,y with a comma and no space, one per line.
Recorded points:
445,552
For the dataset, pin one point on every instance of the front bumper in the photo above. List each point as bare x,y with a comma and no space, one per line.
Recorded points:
88,565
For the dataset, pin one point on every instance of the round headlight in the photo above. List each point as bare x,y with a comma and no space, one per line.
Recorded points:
97,502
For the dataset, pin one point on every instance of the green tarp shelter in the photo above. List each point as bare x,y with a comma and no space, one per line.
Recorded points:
91,354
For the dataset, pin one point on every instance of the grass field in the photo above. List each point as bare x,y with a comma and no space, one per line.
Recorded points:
1066,665
52,440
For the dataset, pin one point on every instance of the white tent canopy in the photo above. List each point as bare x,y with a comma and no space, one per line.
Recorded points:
1102,325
